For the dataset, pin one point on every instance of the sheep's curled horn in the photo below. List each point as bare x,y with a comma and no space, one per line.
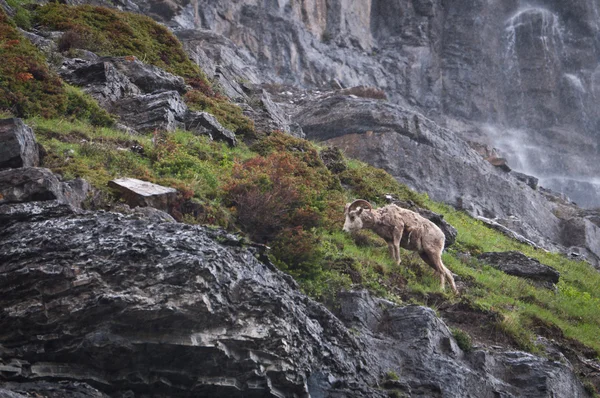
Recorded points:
361,202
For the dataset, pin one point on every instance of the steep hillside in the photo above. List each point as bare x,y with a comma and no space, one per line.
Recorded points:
80,286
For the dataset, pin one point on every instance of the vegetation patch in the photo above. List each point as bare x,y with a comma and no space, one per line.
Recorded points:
110,32
27,86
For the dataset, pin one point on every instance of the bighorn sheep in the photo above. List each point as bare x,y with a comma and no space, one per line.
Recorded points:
401,228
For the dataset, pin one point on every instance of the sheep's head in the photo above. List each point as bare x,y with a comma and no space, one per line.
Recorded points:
353,212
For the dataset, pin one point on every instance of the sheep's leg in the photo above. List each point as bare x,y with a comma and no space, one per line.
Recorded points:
397,236
391,249
445,272
435,261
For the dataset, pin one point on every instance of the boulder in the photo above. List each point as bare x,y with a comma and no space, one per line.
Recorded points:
148,112
146,308
418,348
33,184
584,232
70,389
204,123
142,193
517,264
109,79
101,80
18,147
149,78
527,179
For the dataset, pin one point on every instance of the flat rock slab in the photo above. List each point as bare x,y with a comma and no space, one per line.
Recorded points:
18,147
143,193
517,264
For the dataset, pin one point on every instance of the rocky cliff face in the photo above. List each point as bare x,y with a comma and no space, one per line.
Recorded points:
517,75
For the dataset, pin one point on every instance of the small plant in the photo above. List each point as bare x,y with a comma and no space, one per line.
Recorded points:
462,339
391,375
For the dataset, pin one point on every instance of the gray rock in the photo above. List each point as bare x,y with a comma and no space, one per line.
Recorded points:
531,181
149,78
34,184
418,347
18,147
45,45
121,295
206,124
518,264
143,193
149,112
583,232
8,9
102,80
70,389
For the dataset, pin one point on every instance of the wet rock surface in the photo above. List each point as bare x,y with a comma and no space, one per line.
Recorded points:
162,308
517,264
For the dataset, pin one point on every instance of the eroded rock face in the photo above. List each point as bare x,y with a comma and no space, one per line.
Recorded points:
521,76
162,308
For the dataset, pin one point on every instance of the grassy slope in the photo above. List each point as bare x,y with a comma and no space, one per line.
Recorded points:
284,175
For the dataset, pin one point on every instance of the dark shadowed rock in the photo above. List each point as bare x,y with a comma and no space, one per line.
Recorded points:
163,308
66,389
206,124
143,193
518,264
18,147
32,184
148,112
